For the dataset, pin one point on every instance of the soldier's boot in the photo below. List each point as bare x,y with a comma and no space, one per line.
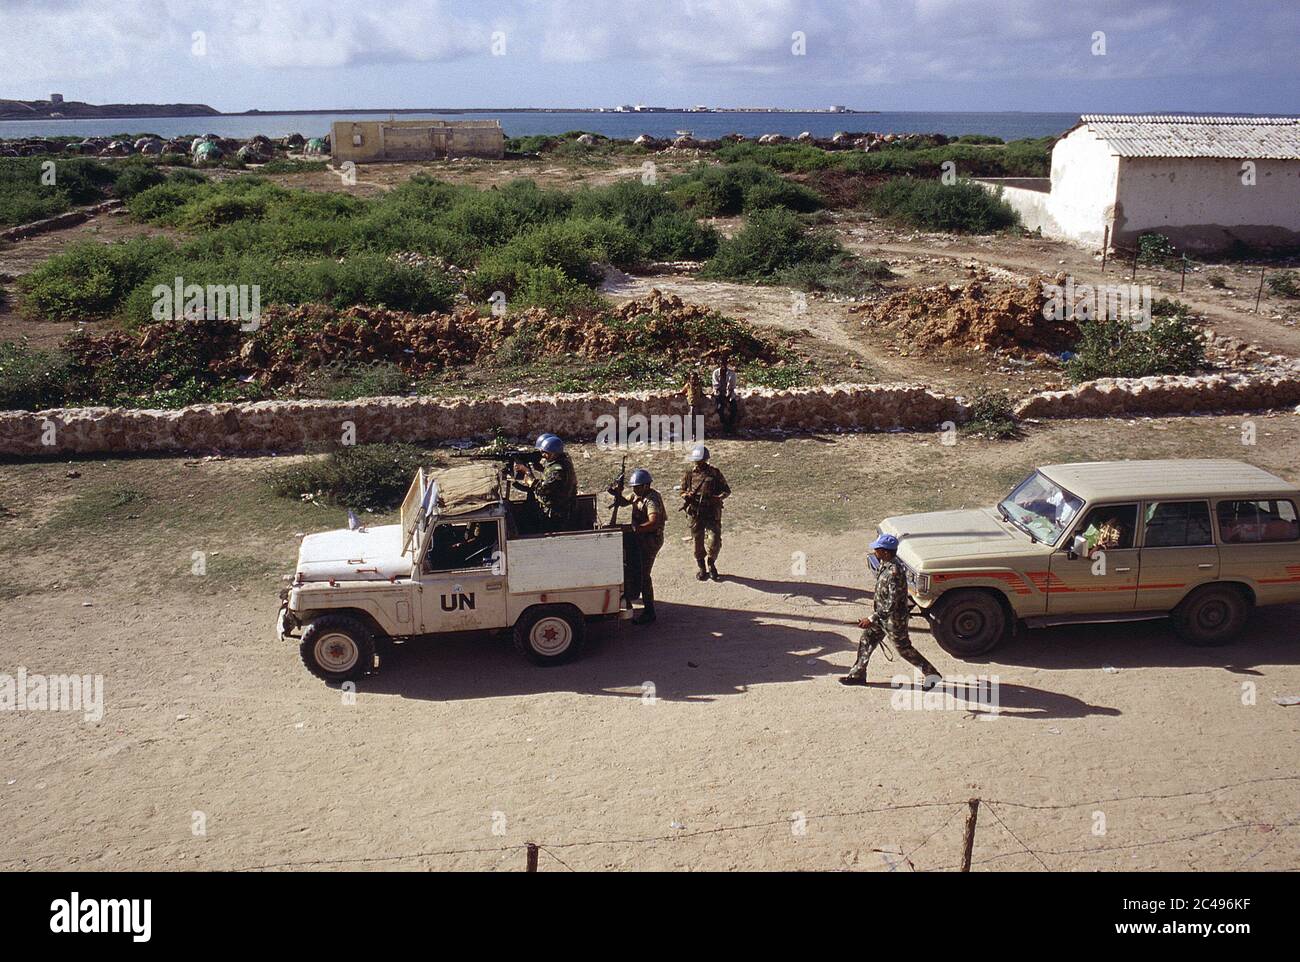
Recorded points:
702,574
713,572
646,615
858,673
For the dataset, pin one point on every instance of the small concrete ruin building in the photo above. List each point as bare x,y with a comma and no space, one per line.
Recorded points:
376,141
1206,183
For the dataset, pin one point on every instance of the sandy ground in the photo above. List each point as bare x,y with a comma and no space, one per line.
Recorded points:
716,739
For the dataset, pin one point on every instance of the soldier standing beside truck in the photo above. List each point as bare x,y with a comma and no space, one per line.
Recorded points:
648,520
703,491
888,621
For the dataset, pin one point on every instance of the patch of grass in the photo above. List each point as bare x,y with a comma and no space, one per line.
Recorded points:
963,207
843,274
100,508
734,188
90,280
363,476
1217,281
31,379
338,382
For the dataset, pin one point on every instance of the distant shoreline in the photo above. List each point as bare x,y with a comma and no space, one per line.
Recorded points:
439,110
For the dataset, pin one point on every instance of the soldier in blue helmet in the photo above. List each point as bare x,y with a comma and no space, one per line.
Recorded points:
890,614
648,520
556,492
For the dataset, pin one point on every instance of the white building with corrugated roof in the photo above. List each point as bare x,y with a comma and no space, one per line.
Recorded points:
1206,183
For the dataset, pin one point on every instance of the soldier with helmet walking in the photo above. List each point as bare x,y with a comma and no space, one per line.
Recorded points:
648,520
703,491
889,618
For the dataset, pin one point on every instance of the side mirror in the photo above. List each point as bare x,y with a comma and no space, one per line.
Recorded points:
1078,547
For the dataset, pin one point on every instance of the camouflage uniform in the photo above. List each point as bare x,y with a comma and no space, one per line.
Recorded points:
889,622
704,489
648,507
557,493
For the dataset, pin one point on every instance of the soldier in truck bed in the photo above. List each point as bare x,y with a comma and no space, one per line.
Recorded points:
703,491
556,491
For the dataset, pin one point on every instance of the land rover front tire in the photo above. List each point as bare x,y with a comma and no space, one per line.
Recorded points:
1211,615
550,634
337,648
968,623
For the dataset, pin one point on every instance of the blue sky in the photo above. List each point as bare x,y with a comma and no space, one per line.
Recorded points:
1195,55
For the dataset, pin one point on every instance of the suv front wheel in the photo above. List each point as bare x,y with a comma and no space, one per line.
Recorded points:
968,623
550,634
337,648
1212,615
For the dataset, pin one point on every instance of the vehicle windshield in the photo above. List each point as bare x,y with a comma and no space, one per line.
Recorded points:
1040,508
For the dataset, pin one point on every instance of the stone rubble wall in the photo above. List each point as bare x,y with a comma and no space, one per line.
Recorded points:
294,425
1166,395
59,221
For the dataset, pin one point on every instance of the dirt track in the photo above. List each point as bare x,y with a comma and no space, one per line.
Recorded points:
748,728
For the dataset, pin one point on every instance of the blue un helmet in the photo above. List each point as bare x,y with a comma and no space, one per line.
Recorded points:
550,444
699,453
542,437
886,541
640,476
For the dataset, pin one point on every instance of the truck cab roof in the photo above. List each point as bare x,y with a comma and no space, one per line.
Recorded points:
1167,479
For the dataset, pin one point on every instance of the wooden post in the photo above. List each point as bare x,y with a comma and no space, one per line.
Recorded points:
1135,261
1182,286
1259,292
532,857
1105,246
968,843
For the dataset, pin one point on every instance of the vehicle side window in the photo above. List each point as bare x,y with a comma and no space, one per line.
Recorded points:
455,546
1109,526
1253,522
1177,524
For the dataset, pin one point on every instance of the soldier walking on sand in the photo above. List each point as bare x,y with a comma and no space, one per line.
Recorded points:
648,520
889,618
703,491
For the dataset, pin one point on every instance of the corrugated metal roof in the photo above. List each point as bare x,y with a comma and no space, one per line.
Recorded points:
1163,479
1172,135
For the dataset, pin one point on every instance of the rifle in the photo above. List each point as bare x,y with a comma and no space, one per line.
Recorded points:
510,458
616,489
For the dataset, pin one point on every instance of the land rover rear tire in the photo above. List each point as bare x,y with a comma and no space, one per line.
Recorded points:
967,623
1212,615
337,648
550,634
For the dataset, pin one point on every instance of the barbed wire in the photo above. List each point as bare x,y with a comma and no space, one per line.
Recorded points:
677,836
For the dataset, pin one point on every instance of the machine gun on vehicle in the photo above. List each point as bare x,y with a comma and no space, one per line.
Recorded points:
510,458
616,489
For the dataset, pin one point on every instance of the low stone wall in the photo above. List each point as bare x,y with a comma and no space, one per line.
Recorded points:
293,425
1169,394
59,221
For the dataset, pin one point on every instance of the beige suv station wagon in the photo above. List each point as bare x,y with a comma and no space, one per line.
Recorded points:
1197,541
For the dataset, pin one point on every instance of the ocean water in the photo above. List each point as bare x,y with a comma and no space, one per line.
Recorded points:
706,126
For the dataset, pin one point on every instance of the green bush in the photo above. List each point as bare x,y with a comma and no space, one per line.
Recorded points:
91,280
991,416
735,188
1284,284
363,476
962,207
843,274
1155,249
1217,281
30,379
1115,348
135,178
771,242
553,290
337,382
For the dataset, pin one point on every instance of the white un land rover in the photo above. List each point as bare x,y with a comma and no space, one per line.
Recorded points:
456,562
1198,542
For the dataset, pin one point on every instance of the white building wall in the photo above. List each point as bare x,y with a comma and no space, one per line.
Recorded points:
1201,203
1085,177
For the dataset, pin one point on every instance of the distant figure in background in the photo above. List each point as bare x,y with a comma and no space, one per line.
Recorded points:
694,392
724,392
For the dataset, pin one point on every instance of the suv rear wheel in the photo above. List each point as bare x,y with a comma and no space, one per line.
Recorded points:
550,634
1211,615
968,622
337,648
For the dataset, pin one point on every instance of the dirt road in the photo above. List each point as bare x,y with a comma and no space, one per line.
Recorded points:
718,738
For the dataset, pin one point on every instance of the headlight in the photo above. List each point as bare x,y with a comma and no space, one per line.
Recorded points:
922,584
